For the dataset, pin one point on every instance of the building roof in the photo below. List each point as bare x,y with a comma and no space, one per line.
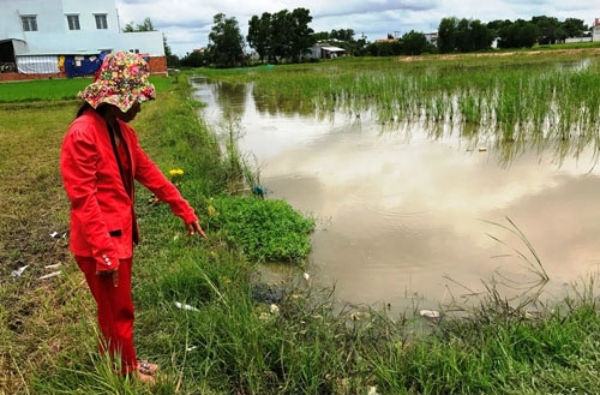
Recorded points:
332,49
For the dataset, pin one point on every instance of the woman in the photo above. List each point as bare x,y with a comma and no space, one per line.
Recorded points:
100,159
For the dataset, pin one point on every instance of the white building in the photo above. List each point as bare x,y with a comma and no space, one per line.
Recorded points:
596,31
324,51
432,38
34,34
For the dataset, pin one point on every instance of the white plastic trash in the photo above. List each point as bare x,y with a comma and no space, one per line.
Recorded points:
19,271
432,314
185,307
49,275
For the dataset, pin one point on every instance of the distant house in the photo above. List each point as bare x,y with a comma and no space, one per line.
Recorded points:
324,51
596,31
47,38
432,38
583,39
386,40
495,43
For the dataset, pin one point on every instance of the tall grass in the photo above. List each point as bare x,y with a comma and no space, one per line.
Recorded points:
535,98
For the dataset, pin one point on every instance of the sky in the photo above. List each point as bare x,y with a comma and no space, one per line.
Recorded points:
187,23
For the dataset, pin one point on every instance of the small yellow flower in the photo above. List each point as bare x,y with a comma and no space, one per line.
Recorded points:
175,172
176,175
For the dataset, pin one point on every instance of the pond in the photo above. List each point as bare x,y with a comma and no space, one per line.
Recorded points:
404,218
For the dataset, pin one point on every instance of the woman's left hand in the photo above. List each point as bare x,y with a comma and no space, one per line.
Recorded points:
194,227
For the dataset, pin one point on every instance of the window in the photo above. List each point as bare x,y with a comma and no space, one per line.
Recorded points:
29,23
101,22
73,21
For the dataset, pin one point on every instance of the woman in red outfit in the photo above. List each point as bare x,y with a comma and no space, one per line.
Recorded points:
100,159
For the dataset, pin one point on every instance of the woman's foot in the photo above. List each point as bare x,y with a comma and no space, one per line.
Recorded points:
145,378
147,368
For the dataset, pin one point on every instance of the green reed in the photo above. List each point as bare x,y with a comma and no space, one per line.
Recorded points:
534,98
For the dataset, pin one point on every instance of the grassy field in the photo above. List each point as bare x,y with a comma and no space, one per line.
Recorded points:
55,90
297,339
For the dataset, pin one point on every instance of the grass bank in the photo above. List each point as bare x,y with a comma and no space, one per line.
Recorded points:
295,341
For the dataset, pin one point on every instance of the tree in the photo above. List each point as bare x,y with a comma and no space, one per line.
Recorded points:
414,43
281,36
463,35
301,38
447,35
481,36
259,34
574,27
550,29
497,26
194,59
146,26
172,60
342,35
226,45
541,29
385,48
518,35
280,30
321,36
358,47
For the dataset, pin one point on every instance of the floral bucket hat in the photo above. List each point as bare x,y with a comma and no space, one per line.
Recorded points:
122,80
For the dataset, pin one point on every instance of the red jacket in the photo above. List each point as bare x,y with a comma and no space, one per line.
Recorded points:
102,212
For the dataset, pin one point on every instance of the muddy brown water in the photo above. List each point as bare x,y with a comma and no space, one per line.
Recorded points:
408,220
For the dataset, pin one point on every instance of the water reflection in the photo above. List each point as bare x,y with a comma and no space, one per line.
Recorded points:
278,104
401,213
231,99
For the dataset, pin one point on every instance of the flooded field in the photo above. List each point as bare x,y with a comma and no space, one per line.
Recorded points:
405,213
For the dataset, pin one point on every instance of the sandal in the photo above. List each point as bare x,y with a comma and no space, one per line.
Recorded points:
147,368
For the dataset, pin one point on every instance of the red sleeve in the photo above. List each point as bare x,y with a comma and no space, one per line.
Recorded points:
149,175
78,167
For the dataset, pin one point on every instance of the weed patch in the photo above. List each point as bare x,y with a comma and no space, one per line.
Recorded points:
266,230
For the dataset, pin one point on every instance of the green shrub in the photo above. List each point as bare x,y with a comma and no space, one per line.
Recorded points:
266,230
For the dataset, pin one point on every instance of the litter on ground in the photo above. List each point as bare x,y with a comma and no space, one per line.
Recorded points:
19,271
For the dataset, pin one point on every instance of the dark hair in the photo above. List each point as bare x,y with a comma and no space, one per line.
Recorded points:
86,106
82,109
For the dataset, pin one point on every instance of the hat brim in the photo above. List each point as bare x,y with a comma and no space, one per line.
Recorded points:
98,93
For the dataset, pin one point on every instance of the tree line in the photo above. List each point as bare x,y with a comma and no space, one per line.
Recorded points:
283,36
471,35
465,35
286,36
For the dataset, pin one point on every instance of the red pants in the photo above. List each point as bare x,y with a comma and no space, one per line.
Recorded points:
115,310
